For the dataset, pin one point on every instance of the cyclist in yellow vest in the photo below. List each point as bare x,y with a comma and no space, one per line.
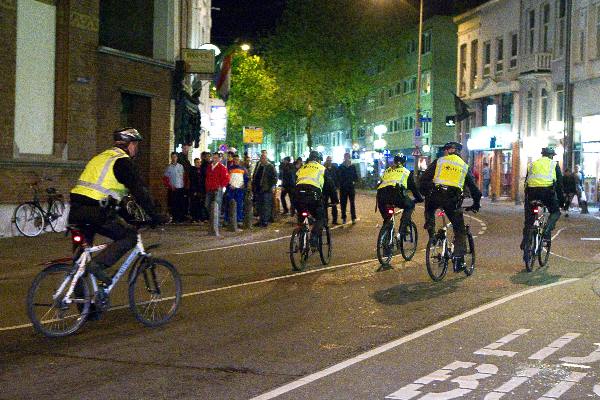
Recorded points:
396,180
543,183
310,179
110,174
442,184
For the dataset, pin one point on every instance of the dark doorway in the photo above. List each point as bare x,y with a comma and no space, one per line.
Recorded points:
135,112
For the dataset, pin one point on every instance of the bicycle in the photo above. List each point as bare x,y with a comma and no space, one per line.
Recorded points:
440,250
62,291
388,242
535,244
31,218
300,248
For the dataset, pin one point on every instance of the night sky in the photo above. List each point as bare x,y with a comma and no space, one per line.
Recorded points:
247,20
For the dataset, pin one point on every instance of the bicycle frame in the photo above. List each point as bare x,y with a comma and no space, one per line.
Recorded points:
539,224
86,257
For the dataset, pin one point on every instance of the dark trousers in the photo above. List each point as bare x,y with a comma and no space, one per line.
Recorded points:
330,199
197,206
309,198
123,235
450,202
548,197
177,201
345,195
391,196
265,204
289,192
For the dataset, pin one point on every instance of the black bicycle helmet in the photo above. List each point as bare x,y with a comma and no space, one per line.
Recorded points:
548,151
126,135
452,145
400,158
315,156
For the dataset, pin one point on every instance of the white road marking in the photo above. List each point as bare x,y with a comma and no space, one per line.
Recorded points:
558,233
576,365
492,349
591,239
512,384
395,343
563,386
593,357
554,346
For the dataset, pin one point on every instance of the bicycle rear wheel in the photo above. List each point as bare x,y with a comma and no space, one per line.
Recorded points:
435,259
55,214
155,292
299,249
29,219
470,255
530,249
53,317
408,240
544,252
386,242
325,248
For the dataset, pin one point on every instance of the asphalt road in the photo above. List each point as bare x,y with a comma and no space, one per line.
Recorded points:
249,325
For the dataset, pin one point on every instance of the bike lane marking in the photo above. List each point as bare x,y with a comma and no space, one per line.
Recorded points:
398,342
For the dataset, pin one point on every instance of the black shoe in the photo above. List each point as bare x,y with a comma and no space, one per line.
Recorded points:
459,263
314,243
522,245
97,269
343,221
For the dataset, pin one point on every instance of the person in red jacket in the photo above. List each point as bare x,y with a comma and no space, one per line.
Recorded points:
217,179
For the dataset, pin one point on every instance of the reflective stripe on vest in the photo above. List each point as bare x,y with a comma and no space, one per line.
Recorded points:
394,176
451,171
541,173
311,173
98,181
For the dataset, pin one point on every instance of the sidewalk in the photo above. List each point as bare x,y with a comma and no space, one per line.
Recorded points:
486,202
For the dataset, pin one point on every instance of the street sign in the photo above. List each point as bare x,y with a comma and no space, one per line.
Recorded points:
417,152
355,155
252,134
198,61
417,139
425,119
223,148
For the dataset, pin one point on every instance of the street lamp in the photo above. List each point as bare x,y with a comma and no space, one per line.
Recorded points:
245,46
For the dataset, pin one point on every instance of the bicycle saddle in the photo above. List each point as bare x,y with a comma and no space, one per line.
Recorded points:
51,190
536,203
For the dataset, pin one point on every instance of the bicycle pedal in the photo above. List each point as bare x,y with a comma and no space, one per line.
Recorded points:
102,300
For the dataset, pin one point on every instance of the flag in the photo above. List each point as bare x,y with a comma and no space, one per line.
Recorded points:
224,79
461,108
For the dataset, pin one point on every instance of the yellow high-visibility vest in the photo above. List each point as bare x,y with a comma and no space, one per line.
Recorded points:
451,170
311,173
541,173
98,180
394,176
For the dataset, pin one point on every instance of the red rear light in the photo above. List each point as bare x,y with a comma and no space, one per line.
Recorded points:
536,210
441,214
390,211
304,214
77,237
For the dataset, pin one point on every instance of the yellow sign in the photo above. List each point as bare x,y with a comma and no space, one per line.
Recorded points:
198,61
253,134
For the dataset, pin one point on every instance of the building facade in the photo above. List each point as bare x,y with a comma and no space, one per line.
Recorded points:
72,72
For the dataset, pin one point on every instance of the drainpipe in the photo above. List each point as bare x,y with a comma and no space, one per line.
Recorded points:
568,101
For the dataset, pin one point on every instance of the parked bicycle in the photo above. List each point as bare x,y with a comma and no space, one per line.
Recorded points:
31,218
389,242
63,295
440,250
535,245
300,248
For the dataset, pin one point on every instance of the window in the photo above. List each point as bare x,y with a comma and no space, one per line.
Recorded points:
426,42
560,102
474,50
546,29
390,92
391,126
487,58
127,26
529,113
426,82
582,28
397,125
426,126
499,55
531,30
560,31
410,84
411,46
514,50
544,108
408,123
463,69
506,107
382,97
398,88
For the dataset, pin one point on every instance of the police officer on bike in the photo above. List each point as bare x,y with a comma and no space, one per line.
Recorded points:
310,179
543,183
107,176
396,180
442,184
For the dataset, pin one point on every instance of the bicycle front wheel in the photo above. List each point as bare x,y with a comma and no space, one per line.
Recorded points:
55,214
408,240
29,219
155,292
54,317
299,249
529,253
544,252
325,246
386,243
435,259
470,255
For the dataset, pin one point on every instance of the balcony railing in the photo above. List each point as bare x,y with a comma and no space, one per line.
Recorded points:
537,62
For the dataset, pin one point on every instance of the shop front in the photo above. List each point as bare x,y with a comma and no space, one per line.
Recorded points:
493,145
588,131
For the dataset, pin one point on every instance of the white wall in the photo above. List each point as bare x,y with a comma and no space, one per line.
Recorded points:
35,76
